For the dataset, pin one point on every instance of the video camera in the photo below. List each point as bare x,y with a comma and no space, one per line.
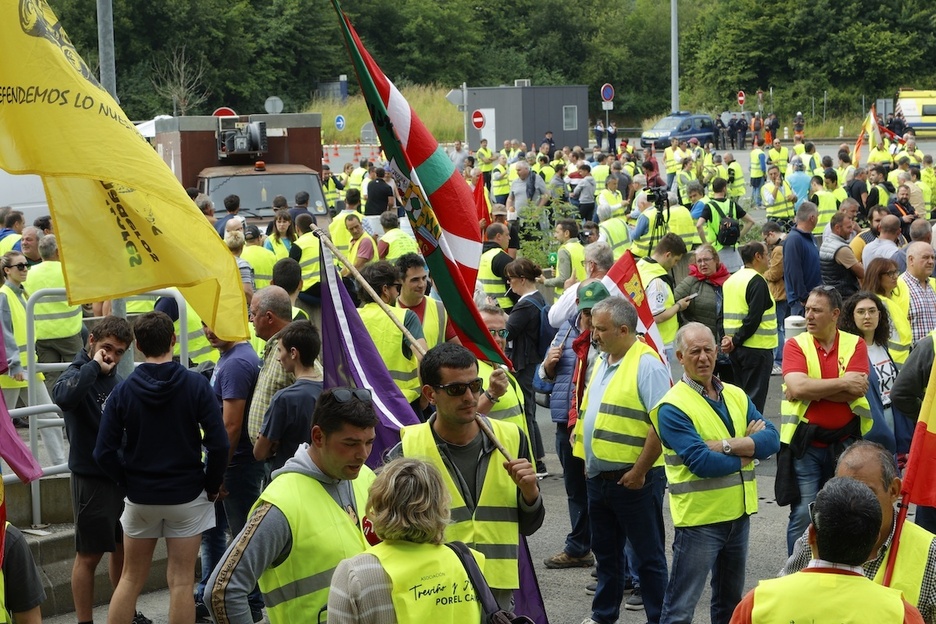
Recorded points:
659,195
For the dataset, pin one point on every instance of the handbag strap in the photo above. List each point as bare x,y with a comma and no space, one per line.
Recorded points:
488,603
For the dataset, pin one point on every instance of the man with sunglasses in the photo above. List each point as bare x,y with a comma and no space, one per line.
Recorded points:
493,500
306,521
502,398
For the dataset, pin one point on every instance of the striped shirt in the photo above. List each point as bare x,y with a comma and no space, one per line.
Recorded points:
922,306
272,379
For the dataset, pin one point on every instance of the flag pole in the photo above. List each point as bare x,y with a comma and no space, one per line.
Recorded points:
904,505
323,236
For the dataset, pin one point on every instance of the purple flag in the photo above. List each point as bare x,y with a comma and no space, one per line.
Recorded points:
528,600
350,358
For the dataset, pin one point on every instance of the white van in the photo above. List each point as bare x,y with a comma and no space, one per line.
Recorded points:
919,109
24,193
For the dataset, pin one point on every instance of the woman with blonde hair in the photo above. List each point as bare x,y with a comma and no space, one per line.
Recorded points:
408,507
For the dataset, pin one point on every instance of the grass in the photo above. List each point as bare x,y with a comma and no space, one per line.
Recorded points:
428,101
447,124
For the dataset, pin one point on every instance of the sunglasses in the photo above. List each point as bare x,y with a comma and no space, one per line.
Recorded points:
812,514
343,395
22,266
458,388
501,333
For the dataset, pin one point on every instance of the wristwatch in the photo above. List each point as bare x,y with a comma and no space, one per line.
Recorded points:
490,397
725,447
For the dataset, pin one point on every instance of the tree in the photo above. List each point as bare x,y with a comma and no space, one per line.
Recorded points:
180,79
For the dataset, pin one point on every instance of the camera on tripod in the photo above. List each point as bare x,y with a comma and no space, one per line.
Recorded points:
659,195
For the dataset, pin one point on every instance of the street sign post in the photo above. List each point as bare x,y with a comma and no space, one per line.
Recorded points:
339,122
477,119
607,95
741,98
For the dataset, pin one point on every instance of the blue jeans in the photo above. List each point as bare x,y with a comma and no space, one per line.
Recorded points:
783,311
813,469
721,548
578,541
243,483
756,184
618,514
213,545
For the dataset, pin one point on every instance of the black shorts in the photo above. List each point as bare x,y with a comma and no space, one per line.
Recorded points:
97,503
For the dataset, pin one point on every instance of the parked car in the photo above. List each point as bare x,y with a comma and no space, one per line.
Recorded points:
681,125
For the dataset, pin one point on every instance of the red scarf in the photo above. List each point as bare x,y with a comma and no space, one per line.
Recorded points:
581,346
715,279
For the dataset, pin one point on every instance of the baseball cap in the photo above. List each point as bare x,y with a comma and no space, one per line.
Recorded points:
251,232
498,209
590,294
694,140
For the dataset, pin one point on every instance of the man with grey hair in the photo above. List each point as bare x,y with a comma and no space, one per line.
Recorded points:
270,312
623,463
58,324
711,434
915,566
526,190
915,280
920,230
29,244
598,261
801,272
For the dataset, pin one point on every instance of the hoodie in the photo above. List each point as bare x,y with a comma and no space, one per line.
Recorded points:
265,542
81,392
160,417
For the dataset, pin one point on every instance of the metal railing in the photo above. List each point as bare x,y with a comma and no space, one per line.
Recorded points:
33,368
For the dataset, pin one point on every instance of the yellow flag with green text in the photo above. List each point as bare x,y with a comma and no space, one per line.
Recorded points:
124,224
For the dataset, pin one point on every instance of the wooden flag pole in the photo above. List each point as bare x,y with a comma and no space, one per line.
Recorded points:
323,236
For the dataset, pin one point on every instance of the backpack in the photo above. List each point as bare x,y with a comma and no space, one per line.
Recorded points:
546,331
729,228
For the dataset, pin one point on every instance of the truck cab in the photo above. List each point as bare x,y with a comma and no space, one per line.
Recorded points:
255,157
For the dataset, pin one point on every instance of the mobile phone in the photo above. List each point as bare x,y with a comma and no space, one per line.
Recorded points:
692,296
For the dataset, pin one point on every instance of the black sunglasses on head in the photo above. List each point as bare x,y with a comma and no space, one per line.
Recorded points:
343,395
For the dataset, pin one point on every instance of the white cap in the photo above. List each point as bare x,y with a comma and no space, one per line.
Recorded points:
798,113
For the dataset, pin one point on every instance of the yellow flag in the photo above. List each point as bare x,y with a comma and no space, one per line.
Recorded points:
124,223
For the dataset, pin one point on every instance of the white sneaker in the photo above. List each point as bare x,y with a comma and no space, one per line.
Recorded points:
589,621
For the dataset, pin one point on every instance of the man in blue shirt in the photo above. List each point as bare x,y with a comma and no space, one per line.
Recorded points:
801,259
711,434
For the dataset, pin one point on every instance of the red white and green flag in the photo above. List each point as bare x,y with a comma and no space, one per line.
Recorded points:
439,204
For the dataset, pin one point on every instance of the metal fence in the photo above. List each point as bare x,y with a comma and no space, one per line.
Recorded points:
33,368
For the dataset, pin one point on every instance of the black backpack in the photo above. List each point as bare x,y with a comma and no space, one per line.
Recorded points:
729,228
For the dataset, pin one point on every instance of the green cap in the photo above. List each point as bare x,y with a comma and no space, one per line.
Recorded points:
590,294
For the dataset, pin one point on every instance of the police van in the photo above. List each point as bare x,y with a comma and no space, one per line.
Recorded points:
919,109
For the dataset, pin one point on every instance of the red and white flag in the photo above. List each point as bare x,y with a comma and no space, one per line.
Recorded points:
623,280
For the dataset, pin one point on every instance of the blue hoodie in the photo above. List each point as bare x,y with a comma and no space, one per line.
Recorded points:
152,432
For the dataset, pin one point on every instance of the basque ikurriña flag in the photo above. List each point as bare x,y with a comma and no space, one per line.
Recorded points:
349,358
439,204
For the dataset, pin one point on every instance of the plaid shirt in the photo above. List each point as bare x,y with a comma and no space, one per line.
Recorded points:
695,385
271,380
922,306
926,604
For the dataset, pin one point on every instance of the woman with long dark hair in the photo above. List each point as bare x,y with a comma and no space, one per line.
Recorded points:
865,314
523,331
